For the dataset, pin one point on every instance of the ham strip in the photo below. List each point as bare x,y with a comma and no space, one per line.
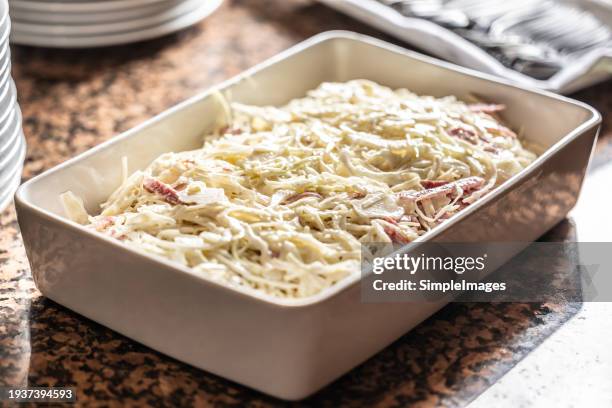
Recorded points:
296,197
157,187
104,223
357,195
466,184
433,183
396,236
180,187
230,130
394,233
463,134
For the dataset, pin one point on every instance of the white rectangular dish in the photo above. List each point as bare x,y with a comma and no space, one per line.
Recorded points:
286,348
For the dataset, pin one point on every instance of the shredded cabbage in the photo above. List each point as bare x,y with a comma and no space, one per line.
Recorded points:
281,198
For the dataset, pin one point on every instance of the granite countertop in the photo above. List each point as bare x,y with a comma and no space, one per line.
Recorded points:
73,100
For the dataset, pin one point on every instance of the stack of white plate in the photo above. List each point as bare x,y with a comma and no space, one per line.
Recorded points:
12,142
97,23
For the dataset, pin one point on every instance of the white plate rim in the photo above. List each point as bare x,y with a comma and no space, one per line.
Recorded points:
84,7
173,13
46,17
181,23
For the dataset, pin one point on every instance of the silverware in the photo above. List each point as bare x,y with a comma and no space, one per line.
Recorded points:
433,10
534,37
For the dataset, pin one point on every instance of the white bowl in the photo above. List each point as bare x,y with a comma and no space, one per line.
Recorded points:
133,24
184,21
286,348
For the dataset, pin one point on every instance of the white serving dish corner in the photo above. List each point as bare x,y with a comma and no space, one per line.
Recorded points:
288,349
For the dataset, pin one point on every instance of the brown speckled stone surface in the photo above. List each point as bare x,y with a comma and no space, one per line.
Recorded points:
73,100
